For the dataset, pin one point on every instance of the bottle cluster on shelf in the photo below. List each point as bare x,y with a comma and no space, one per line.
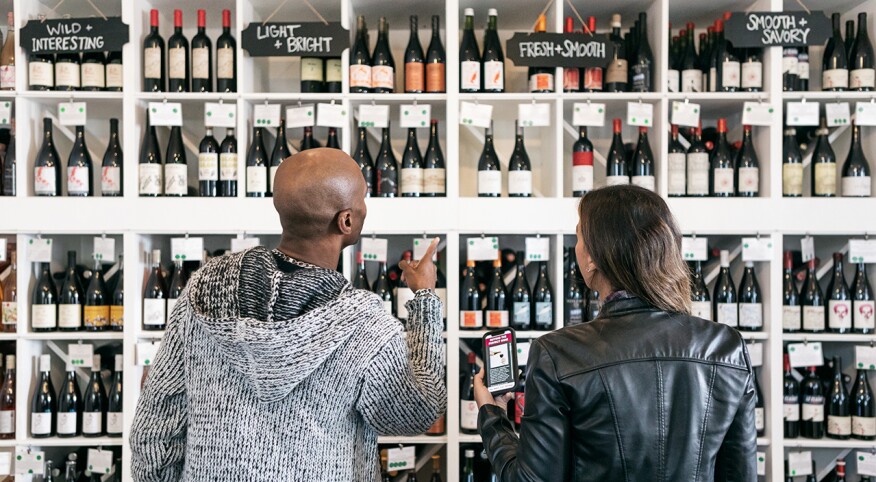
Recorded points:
742,309
80,174
622,167
74,468
391,288
838,474
855,175
159,296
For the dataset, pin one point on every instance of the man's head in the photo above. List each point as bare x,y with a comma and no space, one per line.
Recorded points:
320,197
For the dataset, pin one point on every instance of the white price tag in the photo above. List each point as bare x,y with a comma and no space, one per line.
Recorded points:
862,251
802,114
588,114
757,249
420,247
477,115
865,357
3,249
5,463
374,249
755,352
220,115
761,463
523,353
807,248
538,249
146,352
187,249
6,113
81,355
695,249
806,354
100,461
415,115
104,249
165,114
29,462
640,114
267,115
39,250
240,243
757,114
373,116
865,113
799,463
332,115
483,249
866,463
685,114
300,116
72,113
403,458
837,114
534,115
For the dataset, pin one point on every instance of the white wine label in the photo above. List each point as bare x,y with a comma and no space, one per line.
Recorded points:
839,425
387,307
751,315
839,314
864,314
92,423
177,63
41,74
40,423
7,77
201,63
360,76
471,319
582,178
468,414
791,411
730,74
67,74
152,63
723,180
813,318
69,316
713,79
93,75
497,319
150,179
228,166
789,65
470,77
674,83
617,180
43,316
412,180
803,70
171,304
520,183
698,174
111,180
114,422
402,296
66,423
382,77
9,313
7,421
176,180
752,75
647,182
758,418
749,179
728,314
311,69
677,179
435,180
114,76
691,81
701,309
333,70
835,79
154,311
490,182
521,313
865,426
494,75
813,412
792,179
44,181
256,179
77,180
825,179
791,318
544,314
856,186
272,175
225,63
208,166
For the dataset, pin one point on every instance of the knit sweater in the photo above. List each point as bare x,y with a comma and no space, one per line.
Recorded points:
270,375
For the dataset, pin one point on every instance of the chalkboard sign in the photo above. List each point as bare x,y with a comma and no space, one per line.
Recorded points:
767,29
300,39
559,50
74,35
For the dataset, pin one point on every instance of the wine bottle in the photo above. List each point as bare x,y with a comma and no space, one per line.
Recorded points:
835,70
642,67
412,182
415,66
44,308
849,41
489,168
176,169
747,167
70,298
790,69
312,75
497,304
202,57
97,309
67,73
752,70
47,165
812,406
468,408
386,168
9,174
791,314
470,315
178,57
573,295
790,402
792,165
521,301
468,474
382,289
726,309
571,76
69,420
332,141
494,58
677,165
434,168
469,57
840,470
803,69
722,171
94,403
7,401
592,75
543,297
360,61
593,304
280,154
839,304
812,301
724,69
759,411
177,285
155,297
617,71
616,160
863,408
862,76
863,306
114,416
363,158
111,167
750,300
519,168
44,405
701,304
707,43
541,79
436,60
208,165
824,164
117,301
643,162
113,72
256,166
582,164
7,56
153,57
80,170
839,420
856,169
93,71
360,279
697,166
228,165
226,57
149,168
9,305
383,65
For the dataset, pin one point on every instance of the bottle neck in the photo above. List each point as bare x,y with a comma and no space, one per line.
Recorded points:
469,24
491,24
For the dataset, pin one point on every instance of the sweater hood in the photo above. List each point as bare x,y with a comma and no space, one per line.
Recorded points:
276,328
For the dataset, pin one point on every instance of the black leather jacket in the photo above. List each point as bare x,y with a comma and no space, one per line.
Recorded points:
636,395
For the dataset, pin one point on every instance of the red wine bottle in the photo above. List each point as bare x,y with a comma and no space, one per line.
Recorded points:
812,301
44,405
69,418
792,165
863,306
839,304
701,304
360,61
573,291
812,406
153,57
759,411
834,64
436,60
752,70
747,167
722,172
177,285
543,300
176,168
80,170
366,164
9,174
47,165
724,67
412,183
383,65
592,81
257,166
792,316
228,165
94,404
617,71
281,153
643,162
44,307
571,76
434,168
114,72
382,289
332,141
202,57
470,315
308,142
497,302
114,418
697,166
178,57
803,69
862,76
677,165
67,73
519,168
616,160
112,165
386,168
360,279
150,171
93,72
856,169
823,164
96,312
70,298
839,419
468,410
642,62
7,401
726,309
750,300
155,297
469,57
863,408
489,168
790,69
541,79
208,165
493,59
582,164
415,62
850,37
226,57
790,402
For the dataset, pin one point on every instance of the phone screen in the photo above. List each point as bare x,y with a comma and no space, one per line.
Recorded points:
501,364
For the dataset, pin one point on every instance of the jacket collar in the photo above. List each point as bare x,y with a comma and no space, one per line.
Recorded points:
623,304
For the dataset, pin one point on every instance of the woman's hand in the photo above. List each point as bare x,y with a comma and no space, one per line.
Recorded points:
484,397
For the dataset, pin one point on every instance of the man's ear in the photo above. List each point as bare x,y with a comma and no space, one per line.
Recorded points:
345,221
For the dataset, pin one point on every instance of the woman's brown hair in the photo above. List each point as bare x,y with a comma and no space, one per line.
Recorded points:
635,243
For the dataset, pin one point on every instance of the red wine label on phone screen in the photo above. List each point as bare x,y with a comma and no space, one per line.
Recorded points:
499,362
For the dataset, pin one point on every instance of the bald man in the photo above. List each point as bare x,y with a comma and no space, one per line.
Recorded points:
274,368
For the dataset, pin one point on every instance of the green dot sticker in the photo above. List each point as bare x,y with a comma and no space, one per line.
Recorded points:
81,110
309,113
63,109
407,113
147,361
154,110
745,245
634,119
470,242
696,110
792,349
748,109
770,110
174,110
209,113
18,457
577,109
760,459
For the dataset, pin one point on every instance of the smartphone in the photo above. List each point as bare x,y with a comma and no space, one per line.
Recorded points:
500,360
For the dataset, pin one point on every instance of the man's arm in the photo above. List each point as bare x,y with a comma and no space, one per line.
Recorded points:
404,391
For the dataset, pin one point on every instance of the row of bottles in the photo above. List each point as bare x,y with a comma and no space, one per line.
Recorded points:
855,175
622,167
847,64
742,309
838,474
391,288
80,173
91,71
159,295
719,168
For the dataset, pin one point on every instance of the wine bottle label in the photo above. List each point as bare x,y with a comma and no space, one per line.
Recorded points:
839,314
647,182
468,414
441,293
825,178
864,314
519,183
41,74
728,314
730,74
544,314
77,180
225,63
758,418
471,75
574,312
617,72
752,75
434,180
66,423
208,166
803,69
40,423
387,184
435,77
838,425
701,309
272,174
7,76
201,63
154,311
9,313
111,180
228,166
674,81
412,180
791,410
114,422
521,313
93,75
691,80
382,77
97,316
617,180
864,426
471,319
67,74
698,174
713,79
256,179
150,179
494,75
7,421
152,63
334,70
92,423
706,77
792,179
44,316
791,318
813,318
114,79
402,296
177,64
415,76
835,79
44,180
676,178
751,315
641,78
856,186
387,307
813,411
117,315
723,180
571,80
582,175
360,76
490,182
69,316
789,65
311,69
593,79
541,81
176,179
497,319
749,179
